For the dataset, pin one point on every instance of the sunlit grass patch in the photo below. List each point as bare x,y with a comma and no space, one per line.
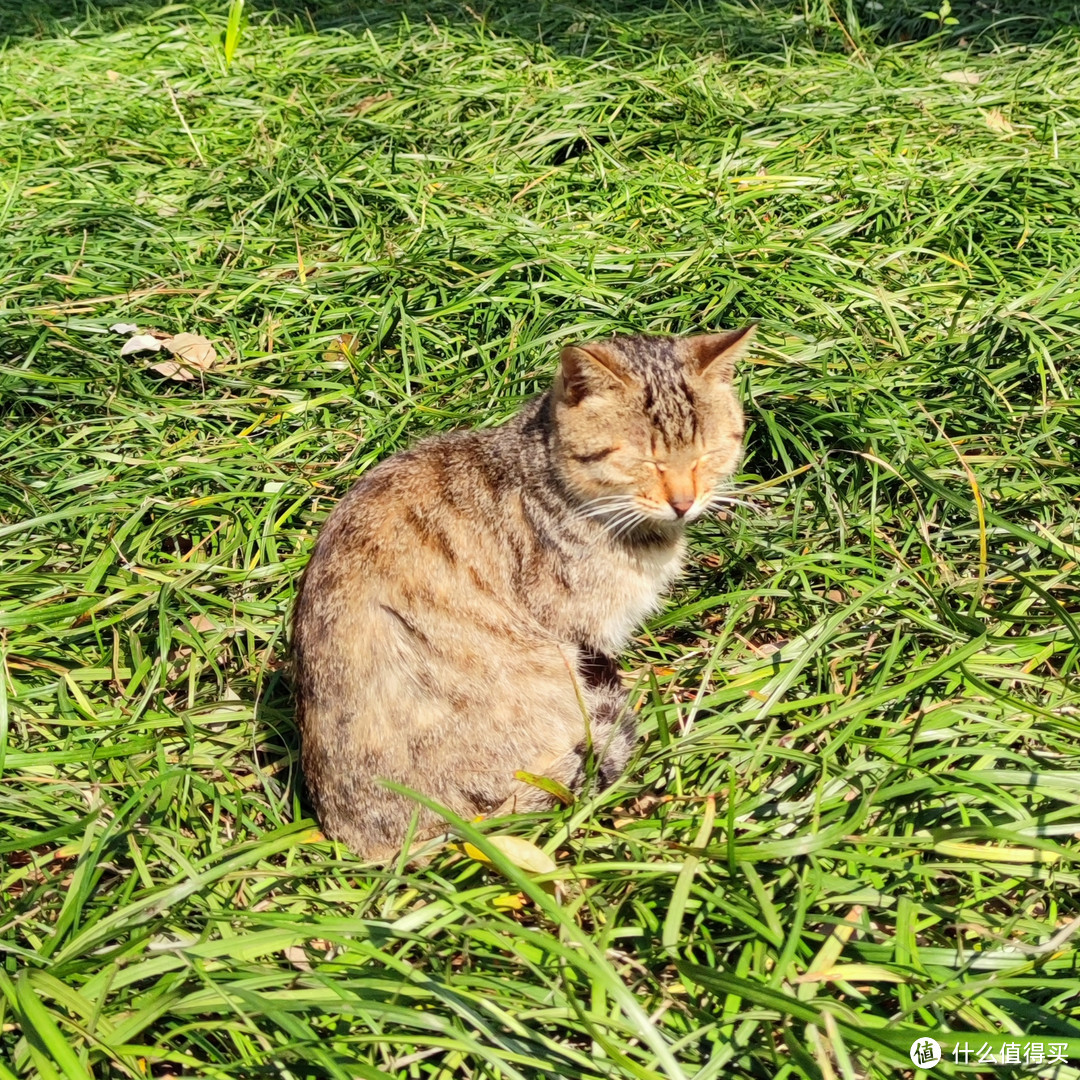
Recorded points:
855,811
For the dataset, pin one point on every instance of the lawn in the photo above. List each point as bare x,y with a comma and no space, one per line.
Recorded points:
855,816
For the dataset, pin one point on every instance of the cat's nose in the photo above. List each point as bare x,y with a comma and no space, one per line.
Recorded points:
680,504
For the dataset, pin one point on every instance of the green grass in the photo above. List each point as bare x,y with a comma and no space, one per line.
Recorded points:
856,809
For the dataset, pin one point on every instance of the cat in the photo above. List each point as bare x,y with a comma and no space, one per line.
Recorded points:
465,602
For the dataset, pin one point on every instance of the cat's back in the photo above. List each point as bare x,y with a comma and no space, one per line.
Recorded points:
422,536
429,484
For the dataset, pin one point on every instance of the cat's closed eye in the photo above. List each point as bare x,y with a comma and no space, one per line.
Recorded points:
595,455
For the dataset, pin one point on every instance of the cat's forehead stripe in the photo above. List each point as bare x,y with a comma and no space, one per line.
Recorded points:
669,400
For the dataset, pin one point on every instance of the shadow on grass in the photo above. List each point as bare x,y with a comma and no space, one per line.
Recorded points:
757,27
585,27
278,740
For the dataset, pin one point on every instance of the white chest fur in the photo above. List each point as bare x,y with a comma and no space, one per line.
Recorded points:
627,590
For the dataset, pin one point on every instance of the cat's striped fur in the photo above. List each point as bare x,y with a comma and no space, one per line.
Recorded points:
465,602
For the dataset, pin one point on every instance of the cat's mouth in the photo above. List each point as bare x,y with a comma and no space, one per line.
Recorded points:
674,512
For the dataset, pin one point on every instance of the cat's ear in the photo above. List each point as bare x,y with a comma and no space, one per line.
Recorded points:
590,369
715,355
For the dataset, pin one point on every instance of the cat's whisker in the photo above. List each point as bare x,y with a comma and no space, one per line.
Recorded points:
602,499
717,501
630,521
599,511
601,508
606,498
627,513
777,490
601,518
616,524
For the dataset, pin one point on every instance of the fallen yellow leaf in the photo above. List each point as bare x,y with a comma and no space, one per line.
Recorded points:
988,853
853,973
558,791
523,853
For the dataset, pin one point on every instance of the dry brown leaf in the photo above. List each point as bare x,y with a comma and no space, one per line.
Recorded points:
342,348
364,104
194,354
997,122
170,369
111,75
644,804
193,349
296,956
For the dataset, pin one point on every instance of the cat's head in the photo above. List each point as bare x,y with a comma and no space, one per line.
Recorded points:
647,429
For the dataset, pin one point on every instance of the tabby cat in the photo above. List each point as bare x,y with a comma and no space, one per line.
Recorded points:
462,612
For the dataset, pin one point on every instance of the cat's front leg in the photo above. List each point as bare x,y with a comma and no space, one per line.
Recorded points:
613,730
612,724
